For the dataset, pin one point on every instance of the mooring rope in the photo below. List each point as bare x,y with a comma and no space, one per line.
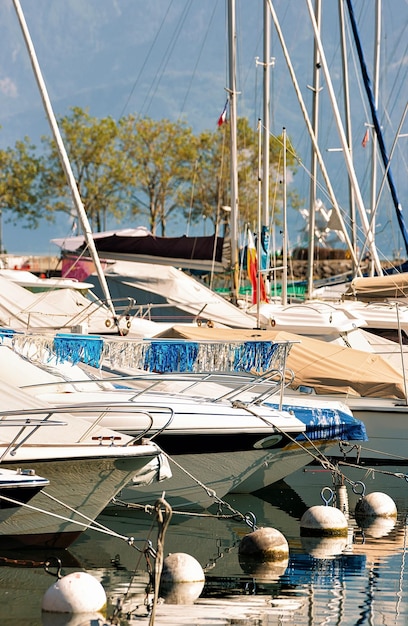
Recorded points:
91,525
163,515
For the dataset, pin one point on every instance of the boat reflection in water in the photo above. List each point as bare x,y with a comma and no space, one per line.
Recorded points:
343,586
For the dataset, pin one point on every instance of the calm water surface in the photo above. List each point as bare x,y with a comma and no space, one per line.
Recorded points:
358,580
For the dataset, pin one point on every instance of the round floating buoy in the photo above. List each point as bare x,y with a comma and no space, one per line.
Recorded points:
375,504
264,544
182,579
78,592
323,520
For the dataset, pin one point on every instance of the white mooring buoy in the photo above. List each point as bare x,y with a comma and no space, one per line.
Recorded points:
264,554
182,579
376,504
324,520
78,592
264,545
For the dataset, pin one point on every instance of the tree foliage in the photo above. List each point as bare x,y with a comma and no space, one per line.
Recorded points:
91,145
20,196
159,157
158,170
212,177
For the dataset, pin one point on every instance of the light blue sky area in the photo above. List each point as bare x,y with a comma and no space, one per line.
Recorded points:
168,59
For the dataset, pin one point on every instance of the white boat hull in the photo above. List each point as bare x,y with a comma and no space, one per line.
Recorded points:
79,489
225,472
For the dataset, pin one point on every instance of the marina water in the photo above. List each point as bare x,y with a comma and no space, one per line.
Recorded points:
358,580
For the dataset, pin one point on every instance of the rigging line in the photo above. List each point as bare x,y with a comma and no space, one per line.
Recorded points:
399,82
313,136
364,240
352,53
86,526
393,55
146,60
167,55
248,72
321,188
198,59
378,131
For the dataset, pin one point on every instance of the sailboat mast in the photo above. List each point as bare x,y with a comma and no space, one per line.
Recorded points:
343,140
232,92
377,57
264,234
266,113
63,156
348,129
377,127
310,130
284,296
313,168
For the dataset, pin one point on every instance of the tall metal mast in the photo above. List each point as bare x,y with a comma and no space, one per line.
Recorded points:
64,157
232,92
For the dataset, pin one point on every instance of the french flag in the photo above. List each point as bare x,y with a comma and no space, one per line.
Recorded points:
223,117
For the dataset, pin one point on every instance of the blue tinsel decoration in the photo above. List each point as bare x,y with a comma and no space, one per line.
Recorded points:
6,333
257,355
170,356
76,348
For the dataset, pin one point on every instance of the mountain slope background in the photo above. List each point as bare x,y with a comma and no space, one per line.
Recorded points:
168,59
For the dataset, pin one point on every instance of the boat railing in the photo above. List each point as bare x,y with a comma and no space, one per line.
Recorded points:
233,385
25,425
146,312
103,409
124,308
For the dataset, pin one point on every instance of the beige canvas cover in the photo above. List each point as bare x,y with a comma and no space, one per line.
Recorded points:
327,367
378,287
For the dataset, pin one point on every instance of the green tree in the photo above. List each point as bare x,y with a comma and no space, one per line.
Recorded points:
97,166
159,158
20,193
212,180
138,166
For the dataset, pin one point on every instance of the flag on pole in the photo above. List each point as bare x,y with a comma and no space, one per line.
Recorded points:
366,138
223,117
252,269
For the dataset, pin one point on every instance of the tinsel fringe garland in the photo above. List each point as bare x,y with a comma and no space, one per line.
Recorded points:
162,356
187,356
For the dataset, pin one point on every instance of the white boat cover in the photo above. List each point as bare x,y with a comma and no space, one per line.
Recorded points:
175,288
